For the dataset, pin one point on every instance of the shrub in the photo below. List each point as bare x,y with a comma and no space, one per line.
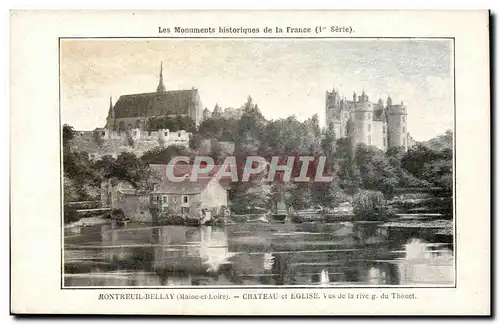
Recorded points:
370,205
117,215
70,214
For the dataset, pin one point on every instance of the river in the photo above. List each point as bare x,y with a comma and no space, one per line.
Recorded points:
257,254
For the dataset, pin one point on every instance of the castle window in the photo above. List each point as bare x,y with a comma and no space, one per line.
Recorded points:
369,127
149,133
369,140
403,141
404,129
403,118
166,133
385,142
369,116
383,129
179,134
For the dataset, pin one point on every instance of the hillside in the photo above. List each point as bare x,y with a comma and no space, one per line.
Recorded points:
440,142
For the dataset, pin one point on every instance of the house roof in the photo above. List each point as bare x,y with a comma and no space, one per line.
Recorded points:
158,103
180,169
185,187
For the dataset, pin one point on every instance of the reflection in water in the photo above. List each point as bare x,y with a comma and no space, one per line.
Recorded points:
426,263
342,253
325,279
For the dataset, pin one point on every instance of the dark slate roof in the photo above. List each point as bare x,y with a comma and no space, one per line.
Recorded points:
151,104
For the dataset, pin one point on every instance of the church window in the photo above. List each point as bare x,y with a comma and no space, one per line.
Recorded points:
385,142
404,129
369,127
403,141
403,118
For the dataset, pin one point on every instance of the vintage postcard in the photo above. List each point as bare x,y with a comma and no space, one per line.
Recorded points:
250,163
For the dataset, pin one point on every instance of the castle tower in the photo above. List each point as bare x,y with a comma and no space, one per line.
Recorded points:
397,125
363,120
333,110
161,87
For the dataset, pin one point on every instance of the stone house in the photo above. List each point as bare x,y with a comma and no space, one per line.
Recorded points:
122,195
190,198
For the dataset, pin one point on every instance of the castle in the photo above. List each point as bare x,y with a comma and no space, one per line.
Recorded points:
135,111
366,122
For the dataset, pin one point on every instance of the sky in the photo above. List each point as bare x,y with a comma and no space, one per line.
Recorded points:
284,76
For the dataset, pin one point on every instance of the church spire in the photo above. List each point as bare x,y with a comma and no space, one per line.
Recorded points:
111,112
161,87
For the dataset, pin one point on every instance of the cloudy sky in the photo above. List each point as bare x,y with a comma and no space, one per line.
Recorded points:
285,77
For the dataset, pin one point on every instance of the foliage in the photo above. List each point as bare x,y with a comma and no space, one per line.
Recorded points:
97,138
130,139
435,166
298,196
176,123
347,169
375,170
250,128
70,214
250,195
369,205
68,134
117,215
163,156
195,141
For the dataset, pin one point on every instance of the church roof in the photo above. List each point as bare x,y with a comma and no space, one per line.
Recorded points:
158,103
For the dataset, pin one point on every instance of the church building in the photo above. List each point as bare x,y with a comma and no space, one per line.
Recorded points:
134,111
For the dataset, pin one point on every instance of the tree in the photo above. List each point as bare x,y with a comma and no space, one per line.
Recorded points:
250,128
375,170
346,166
162,156
298,196
176,123
68,134
96,137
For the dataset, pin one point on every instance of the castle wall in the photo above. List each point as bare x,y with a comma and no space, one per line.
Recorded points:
379,139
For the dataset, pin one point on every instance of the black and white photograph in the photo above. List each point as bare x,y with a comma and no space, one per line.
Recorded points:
257,162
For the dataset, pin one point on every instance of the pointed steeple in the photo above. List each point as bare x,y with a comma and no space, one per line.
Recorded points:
161,87
111,112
